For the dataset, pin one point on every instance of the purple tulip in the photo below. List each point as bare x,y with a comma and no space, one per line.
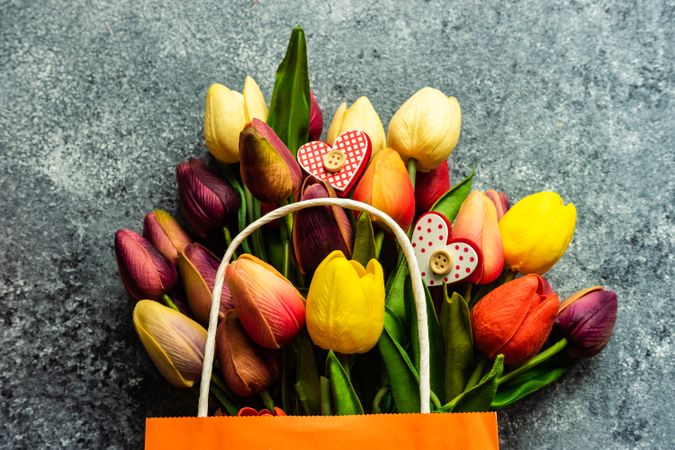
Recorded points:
587,319
207,201
145,273
315,119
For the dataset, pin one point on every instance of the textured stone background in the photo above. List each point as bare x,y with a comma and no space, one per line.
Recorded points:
99,100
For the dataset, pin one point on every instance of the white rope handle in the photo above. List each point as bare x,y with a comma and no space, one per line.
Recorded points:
408,252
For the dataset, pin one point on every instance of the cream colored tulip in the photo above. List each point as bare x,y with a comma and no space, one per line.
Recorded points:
426,128
360,116
227,112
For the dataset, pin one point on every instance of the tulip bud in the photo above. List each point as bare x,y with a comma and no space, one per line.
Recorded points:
360,116
247,369
426,128
320,230
386,185
268,168
145,273
500,200
207,201
430,186
477,222
174,342
587,319
165,234
198,268
271,309
227,112
514,319
248,411
536,232
345,305
315,119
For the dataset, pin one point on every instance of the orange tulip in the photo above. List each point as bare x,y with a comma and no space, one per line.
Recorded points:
501,201
271,309
515,319
477,222
386,185
165,233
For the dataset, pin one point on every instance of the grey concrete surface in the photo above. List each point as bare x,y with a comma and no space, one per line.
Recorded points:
99,100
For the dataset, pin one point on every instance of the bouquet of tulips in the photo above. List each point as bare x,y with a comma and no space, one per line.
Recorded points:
316,314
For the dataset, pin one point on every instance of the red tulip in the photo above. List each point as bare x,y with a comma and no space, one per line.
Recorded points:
207,201
587,319
500,200
515,319
145,273
315,119
271,309
165,234
477,222
430,186
248,411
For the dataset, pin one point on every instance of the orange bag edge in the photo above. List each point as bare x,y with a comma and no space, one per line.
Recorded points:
466,431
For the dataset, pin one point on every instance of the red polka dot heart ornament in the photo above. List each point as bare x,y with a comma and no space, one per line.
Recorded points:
441,258
342,164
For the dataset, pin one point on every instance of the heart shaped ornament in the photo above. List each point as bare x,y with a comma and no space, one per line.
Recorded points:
340,165
442,259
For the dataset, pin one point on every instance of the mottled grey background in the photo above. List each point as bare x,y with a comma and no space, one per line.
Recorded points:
99,100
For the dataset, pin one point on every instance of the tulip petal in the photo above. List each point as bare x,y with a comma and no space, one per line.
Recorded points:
533,332
254,101
336,123
223,120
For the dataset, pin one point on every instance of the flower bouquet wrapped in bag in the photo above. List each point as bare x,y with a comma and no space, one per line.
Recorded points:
358,291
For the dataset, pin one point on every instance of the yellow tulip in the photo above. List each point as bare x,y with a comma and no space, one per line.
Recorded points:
536,232
426,128
360,116
227,112
345,304
174,342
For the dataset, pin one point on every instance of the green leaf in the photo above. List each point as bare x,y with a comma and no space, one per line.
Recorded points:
435,339
364,241
395,299
307,384
458,340
290,104
403,378
394,326
525,384
345,400
449,204
478,398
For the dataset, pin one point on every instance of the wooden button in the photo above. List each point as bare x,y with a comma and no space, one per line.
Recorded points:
440,262
334,161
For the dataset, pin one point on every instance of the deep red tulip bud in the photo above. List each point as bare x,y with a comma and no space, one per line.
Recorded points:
320,230
206,200
145,273
430,186
247,368
587,320
198,267
267,167
515,319
500,200
315,119
165,234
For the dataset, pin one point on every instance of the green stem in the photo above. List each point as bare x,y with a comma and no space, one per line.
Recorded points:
477,373
435,401
168,302
267,400
230,407
535,361
510,275
325,396
286,233
228,240
379,240
378,398
345,361
467,294
241,213
412,170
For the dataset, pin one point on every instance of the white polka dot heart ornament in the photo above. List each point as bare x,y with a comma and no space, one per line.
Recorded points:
342,164
441,258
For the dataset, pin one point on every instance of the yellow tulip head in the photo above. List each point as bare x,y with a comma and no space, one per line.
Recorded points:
227,112
536,232
426,128
174,342
345,304
360,116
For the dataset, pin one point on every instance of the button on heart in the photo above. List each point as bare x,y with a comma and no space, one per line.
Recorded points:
440,258
340,165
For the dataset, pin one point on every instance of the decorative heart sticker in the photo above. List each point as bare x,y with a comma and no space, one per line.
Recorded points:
442,259
340,165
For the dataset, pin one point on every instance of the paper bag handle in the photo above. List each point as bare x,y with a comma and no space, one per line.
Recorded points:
408,252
